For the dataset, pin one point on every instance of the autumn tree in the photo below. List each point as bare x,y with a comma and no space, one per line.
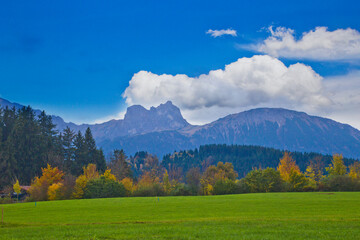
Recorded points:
355,171
287,166
55,191
149,185
17,188
39,188
314,170
90,173
129,186
108,175
166,183
337,167
212,174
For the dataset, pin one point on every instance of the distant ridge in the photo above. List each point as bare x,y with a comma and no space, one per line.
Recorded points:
161,130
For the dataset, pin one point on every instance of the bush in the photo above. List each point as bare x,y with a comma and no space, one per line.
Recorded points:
223,187
297,182
339,183
264,180
6,200
181,190
38,191
104,188
241,186
149,191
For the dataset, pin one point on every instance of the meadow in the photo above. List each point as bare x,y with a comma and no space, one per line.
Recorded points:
247,216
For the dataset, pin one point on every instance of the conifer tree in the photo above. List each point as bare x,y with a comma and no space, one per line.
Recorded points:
67,138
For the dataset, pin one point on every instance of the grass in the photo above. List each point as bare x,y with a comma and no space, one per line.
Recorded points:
246,216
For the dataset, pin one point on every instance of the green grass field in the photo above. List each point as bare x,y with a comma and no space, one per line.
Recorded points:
246,216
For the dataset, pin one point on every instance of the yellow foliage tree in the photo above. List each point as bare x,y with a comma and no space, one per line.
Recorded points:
17,188
337,168
310,174
108,175
166,182
314,172
90,172
355,170
287,166
54,191
129,185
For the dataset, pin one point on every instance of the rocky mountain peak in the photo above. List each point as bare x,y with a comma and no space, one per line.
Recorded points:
164,117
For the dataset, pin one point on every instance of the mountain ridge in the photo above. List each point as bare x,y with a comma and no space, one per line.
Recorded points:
162,129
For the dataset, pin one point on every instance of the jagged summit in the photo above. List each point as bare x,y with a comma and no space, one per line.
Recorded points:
164,117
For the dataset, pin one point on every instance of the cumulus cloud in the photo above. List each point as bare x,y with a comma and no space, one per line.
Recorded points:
219,33
318,44
249,82
345,94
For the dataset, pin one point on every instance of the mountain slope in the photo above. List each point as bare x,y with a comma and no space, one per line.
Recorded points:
281,129
161,130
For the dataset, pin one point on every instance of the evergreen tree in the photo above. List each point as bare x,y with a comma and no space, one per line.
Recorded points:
79,154
67,138
119,165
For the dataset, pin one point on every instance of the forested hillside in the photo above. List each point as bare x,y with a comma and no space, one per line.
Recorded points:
243,158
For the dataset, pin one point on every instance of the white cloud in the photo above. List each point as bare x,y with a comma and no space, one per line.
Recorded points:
219,33
118,116
247,83
345,93
318,44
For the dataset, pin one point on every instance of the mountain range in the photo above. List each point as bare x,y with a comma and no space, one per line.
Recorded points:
161,130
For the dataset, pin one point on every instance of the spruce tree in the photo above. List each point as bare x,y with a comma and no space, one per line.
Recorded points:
67,138
79,154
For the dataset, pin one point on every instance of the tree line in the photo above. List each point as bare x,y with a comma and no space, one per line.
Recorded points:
28,142
68,165
118,180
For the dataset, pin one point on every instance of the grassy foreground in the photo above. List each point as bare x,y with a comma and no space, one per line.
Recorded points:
246,216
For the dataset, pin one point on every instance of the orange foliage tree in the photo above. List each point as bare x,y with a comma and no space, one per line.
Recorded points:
39,188
129,185
287,167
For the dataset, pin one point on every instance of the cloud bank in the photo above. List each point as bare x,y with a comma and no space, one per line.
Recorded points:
318,44
219,33
249,82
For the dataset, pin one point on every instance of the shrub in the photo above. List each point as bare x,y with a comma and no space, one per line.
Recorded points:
297,182
223,187
339,183
104,188
6,200
264,180
149,191
242,186
181,190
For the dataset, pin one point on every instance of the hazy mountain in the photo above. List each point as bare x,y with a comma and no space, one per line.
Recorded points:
60,123
281,129
162,130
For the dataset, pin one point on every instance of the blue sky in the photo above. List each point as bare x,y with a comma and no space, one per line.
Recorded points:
76,58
